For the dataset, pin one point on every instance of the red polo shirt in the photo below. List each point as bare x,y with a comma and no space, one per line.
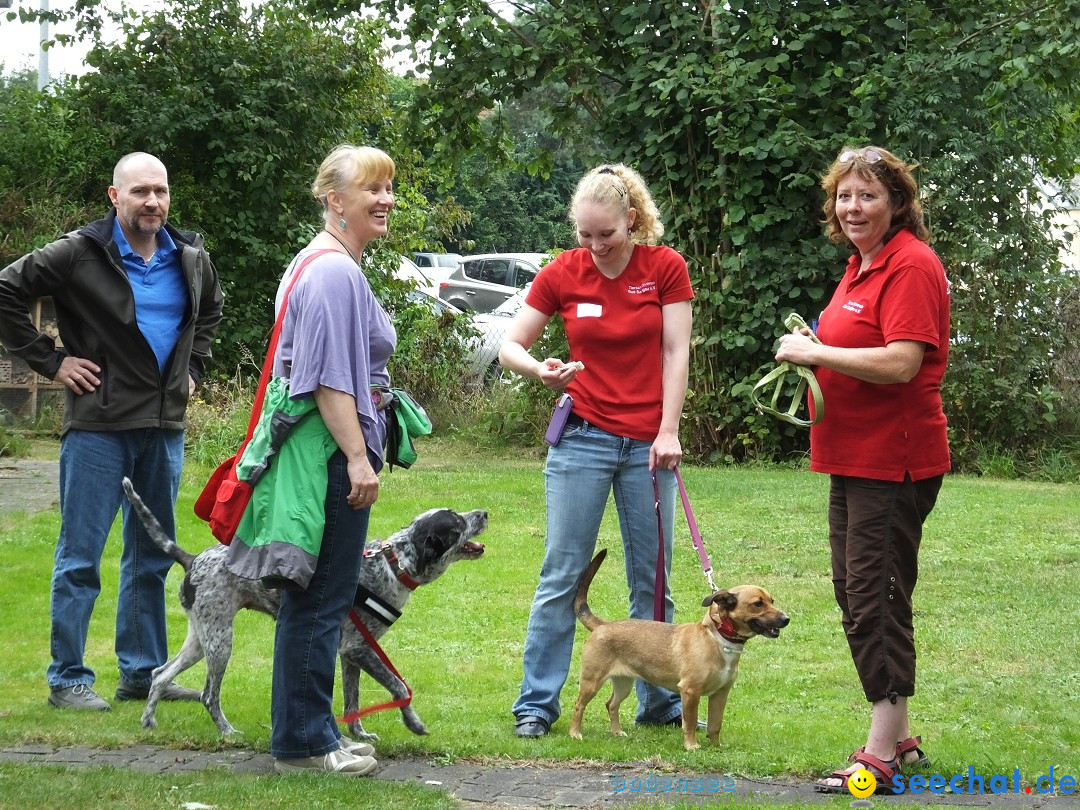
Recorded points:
614,327
884,431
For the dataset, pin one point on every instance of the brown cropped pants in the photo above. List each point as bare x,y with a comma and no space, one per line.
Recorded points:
875,528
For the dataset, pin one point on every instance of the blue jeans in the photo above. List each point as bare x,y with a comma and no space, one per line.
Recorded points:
581,471
92,463
308,632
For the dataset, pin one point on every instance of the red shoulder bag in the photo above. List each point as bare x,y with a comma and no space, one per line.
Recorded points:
225,497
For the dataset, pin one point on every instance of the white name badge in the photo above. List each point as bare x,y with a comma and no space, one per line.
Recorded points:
589,310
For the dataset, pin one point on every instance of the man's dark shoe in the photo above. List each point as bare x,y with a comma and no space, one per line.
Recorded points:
127,691
529,726
79,696
674,721
677,721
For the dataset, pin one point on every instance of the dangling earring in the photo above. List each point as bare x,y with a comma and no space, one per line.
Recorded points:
342,223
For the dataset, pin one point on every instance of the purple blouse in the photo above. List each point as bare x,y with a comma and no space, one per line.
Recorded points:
337,335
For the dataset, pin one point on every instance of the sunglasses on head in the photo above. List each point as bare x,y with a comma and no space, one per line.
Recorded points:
865,155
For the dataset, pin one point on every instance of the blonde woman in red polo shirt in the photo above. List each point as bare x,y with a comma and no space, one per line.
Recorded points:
884,346
625,303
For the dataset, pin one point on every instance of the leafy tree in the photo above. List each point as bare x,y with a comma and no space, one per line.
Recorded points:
521,204
241,104
44,168
510,199
511,210
733,109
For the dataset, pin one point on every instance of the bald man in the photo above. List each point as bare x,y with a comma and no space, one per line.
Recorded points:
137,305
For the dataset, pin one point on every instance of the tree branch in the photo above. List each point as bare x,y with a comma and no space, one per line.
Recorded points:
999,23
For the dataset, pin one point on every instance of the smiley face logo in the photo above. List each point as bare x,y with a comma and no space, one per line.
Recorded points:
862,783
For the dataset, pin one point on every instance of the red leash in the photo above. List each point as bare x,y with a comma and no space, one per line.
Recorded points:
378,707
391,558
695,534
659,614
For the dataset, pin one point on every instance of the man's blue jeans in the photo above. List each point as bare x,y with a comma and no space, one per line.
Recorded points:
308,629
581,471
92,464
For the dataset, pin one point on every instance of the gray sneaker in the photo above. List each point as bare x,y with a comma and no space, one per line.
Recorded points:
174,691
79,696
357,749
339,761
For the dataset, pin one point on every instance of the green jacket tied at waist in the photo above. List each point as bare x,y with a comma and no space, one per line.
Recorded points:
281,531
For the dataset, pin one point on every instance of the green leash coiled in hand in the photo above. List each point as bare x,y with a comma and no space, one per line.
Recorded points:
807,382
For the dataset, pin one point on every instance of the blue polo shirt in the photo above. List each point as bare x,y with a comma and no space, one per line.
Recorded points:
161,299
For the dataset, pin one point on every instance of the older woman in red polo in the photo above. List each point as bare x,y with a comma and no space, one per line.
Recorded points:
884,346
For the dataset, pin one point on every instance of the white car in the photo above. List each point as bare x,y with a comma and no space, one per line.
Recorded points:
482,350
437,266
492,327
406,271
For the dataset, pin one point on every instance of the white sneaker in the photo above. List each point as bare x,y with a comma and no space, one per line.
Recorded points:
359,749
339,761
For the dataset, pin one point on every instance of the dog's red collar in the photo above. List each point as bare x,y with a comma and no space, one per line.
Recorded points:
727,631
399,572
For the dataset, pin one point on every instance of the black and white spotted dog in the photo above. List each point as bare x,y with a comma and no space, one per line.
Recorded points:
211,595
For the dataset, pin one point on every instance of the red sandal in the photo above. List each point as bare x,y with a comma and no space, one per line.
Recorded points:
905,747
882,770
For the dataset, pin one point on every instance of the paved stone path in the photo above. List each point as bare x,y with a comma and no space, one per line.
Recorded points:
480,786
29,485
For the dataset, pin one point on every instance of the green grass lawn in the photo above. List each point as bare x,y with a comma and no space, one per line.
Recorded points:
996,627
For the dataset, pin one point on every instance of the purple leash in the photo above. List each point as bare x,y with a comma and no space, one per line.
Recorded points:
695,534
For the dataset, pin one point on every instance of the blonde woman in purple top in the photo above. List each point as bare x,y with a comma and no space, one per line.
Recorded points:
335,343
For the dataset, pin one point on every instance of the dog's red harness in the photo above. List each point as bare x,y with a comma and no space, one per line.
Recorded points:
391,558
387,551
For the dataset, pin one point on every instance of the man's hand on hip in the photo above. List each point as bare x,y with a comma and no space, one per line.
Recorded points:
79,375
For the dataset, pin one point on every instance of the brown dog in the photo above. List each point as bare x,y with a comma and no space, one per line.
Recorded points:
695,659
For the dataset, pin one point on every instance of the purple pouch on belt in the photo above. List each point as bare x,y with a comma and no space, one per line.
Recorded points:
563,405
